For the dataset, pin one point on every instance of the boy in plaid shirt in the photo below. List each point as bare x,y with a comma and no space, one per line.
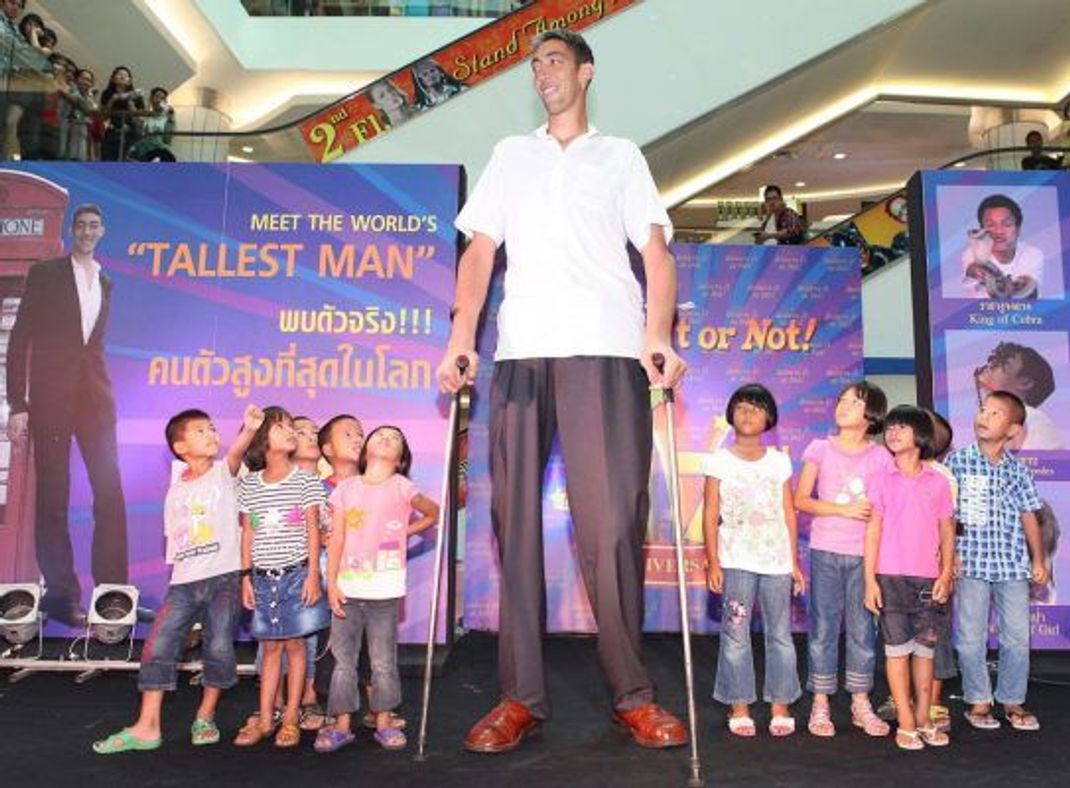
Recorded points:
1000,552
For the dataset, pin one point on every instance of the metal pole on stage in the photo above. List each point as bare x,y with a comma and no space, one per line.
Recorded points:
695,776
440,542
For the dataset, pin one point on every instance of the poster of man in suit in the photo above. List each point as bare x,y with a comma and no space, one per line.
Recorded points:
58,389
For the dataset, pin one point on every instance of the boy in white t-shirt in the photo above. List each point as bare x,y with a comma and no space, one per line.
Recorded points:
204,549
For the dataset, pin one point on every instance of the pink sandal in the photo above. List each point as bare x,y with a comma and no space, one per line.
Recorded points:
820,723
742,726
863,716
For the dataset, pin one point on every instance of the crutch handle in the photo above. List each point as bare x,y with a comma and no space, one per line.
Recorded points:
659,364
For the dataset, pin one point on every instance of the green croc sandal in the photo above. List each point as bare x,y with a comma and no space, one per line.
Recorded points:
203,732
124,741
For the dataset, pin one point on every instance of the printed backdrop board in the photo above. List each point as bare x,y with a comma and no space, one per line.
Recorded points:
324,290
980,325
788,317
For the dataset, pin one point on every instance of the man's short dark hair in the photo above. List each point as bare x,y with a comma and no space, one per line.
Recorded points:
87,207
1013,402
772,187
993,201
757,395
1034,366
581,50
176,427
918,421
1034,133
324,436
158,89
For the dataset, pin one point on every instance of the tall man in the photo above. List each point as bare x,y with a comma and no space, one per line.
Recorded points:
573,352
57,346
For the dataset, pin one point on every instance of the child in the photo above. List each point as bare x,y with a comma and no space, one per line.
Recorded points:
204,549
943,658
279,505
371,521
838,467
1000,551
1025,373
909,552
750,531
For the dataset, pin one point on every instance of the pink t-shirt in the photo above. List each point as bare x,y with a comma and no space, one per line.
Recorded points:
841,478
376,521
911,508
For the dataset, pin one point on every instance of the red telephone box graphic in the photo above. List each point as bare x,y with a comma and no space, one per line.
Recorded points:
32,212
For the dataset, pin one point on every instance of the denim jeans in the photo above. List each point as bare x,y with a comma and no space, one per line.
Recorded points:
378,619
972,599
215,602
837,589
735,664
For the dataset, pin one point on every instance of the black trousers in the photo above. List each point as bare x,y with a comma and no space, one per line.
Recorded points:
602,408
52,460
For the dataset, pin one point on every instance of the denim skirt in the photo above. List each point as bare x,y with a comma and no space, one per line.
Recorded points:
279,613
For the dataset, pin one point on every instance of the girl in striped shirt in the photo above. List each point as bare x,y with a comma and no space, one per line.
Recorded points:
279,507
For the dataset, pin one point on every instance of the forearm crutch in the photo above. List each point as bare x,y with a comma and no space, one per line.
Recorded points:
695,778
441,539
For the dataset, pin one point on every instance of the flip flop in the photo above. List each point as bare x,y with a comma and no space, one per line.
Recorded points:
251,733
369,722
203,732
124,741
983,721
742,726
934,737
312,717
1022,720
332,740
288,735
391,739
781,726
908,740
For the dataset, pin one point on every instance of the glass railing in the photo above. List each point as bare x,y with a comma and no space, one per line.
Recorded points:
467,8
879,231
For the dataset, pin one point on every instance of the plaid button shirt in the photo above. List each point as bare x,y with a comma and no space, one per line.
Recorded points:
991,500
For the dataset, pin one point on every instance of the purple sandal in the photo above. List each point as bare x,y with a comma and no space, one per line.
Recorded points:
390,739
332,740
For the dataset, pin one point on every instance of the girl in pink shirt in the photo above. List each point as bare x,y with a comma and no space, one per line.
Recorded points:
909,554
371,521
832,488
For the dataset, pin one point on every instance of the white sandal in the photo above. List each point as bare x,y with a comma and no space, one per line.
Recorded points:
781,726
742,726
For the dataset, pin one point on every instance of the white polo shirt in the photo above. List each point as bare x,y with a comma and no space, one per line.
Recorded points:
565,216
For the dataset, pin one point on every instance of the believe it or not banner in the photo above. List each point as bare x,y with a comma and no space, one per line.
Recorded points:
325,291
788,317
990,254
410,91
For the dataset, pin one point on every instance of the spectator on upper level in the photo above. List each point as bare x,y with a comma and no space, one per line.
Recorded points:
82,105
121,103
780,224
156,130
24,66
1037,159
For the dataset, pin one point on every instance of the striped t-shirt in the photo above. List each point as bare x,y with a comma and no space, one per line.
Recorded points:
277,516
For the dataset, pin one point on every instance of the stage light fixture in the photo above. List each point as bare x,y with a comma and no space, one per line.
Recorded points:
112,616
21,619
839,156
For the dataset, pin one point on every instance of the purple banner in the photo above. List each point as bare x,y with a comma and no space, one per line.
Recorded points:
788,317
324,290
991,275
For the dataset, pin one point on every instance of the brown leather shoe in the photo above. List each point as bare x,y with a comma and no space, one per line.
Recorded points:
652,726
504,727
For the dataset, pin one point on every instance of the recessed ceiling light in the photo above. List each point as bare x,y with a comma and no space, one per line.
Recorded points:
960,164
246,148
839,156
799,184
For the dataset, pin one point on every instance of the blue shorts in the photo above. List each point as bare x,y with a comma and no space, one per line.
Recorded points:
215,602
279,613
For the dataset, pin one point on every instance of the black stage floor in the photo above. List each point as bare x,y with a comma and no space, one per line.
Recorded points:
47,723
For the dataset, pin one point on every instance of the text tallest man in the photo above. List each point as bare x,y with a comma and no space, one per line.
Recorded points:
573,352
